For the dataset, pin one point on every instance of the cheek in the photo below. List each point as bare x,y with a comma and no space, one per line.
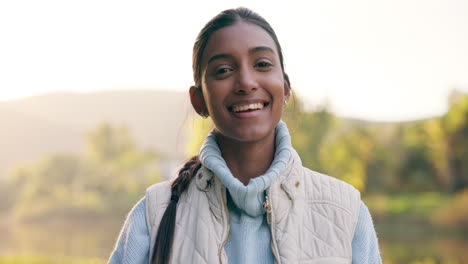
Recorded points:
277,87
214,99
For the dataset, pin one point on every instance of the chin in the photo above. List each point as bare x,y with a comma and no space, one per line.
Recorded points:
250,133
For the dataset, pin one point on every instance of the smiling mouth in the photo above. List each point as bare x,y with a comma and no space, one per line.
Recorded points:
248,107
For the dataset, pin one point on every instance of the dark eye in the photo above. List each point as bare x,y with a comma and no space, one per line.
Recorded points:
223,70
263,64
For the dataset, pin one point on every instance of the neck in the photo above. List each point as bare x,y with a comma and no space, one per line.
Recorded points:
247,160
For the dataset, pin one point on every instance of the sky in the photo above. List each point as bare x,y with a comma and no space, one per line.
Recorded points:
377,60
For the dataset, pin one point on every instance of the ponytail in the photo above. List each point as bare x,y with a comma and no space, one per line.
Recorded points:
165,235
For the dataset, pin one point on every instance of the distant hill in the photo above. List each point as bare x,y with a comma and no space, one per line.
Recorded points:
57,122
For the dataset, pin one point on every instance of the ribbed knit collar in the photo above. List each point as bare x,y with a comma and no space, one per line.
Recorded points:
248,198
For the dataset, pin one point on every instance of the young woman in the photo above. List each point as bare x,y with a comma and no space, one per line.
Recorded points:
246,197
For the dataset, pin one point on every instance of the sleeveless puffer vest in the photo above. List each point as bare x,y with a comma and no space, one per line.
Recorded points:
312,217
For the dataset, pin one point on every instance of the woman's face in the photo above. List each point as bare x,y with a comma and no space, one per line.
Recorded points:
242,82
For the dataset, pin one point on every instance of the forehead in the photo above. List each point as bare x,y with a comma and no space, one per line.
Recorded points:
237,39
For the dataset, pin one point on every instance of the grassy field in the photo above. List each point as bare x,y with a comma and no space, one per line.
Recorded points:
44,259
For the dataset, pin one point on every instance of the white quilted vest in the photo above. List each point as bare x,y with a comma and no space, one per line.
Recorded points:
312,218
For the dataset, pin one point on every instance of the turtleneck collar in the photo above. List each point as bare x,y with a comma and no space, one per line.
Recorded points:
248,198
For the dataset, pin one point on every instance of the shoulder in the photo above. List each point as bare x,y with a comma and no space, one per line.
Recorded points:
158,187
158,193
321,189
323,182
157,198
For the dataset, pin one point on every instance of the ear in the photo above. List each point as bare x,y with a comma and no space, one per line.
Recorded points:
198,102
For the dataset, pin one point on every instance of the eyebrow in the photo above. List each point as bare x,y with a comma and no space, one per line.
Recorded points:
229,56
219,56
261,48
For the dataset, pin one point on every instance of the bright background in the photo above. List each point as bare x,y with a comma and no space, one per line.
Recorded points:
94,109
376,60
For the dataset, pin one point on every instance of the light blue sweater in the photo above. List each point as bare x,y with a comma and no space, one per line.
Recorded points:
249,237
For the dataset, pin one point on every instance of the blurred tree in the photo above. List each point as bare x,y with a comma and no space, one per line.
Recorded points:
384,157
438,152
49,186
108,178
107,144
417,171
308,136
346,155
455,124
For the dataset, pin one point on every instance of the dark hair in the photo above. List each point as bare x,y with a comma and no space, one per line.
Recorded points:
165,235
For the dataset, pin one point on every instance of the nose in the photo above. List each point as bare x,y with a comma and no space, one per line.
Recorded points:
246,82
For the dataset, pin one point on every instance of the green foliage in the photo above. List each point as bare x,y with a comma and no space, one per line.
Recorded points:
346,154
438,151
308,137
108,178
406,207
455,125
329,145
417,168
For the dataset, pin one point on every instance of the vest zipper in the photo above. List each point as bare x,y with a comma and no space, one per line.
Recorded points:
268,208
224,205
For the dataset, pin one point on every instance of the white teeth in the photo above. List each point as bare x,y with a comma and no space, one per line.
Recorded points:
240,108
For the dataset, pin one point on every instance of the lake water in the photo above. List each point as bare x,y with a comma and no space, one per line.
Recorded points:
96,238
